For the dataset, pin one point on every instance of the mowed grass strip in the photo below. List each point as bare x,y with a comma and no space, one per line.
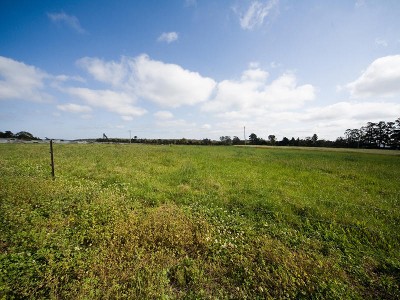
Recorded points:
173,222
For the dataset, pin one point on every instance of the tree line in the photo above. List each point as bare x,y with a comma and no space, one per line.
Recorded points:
379,135
374,135
22,135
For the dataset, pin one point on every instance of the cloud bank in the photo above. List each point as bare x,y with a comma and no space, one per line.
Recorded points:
380,79
254,94
168,85
19,81
135,86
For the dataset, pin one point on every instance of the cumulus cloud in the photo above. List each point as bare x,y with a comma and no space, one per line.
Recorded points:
328,121
364,112
168,85
70,21
19,81
110,72
74,108
168,37
252,94
256,13
380,79
118,102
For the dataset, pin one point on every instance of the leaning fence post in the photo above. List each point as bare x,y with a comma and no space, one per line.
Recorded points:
52,159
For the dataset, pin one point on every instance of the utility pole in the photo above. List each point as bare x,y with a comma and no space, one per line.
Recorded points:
130,139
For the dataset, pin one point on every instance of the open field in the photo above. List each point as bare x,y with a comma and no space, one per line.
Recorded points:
145,222
350,150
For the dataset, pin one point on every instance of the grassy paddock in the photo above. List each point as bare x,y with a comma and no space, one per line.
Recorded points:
350,150
145,222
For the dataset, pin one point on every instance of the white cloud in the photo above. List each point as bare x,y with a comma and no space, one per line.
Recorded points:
381,79
363,111
256,75
331,121
168,37
168,85
163,115
328,122
110,72
74,108
19,81
70,21
256,13
117,102
206,126
64,78
252,94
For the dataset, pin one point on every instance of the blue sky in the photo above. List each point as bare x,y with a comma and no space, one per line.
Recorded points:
198,69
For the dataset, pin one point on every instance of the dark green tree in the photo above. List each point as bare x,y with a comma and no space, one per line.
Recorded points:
236,141
24,135
314,138
6,135
272,139
285,142
253,139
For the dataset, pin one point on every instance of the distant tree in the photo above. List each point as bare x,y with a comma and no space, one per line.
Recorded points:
6,135
369,134
236,141
206,142
396,134
381,136
353,137
314,139
285,142
307,142
272,139
340,142
226,140
24,135
253,139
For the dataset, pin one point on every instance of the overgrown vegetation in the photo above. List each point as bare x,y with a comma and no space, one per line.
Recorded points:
146,222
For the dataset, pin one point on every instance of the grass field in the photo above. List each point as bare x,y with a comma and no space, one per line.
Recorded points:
161,222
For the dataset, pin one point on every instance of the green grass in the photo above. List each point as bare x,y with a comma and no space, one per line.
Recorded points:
146,222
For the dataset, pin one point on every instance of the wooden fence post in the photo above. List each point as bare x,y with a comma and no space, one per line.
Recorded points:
52,159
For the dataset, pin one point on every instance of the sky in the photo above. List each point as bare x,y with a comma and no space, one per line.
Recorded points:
198,68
